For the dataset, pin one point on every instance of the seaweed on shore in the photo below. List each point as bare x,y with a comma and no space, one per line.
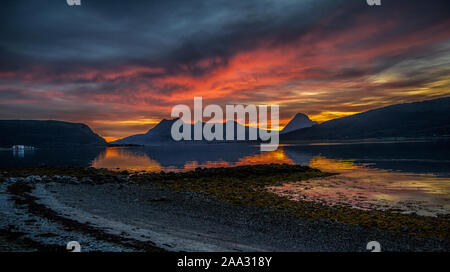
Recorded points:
246,185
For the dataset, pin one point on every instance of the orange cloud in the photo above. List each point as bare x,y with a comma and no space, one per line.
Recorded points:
324,73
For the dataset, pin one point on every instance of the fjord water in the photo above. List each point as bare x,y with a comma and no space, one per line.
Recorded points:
408,176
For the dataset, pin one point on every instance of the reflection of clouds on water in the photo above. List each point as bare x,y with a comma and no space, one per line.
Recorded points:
405,157
158,159
277,156
411,176
362,187
116,158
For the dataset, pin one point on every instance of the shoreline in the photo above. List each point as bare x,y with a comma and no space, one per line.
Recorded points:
116,211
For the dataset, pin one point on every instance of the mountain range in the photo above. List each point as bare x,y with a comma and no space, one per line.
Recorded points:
429,118
161,133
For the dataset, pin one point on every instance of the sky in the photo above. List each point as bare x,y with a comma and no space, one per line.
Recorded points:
120,66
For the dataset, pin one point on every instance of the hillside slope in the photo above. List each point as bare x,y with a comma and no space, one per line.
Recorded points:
46,133
161,133
299,121
419,119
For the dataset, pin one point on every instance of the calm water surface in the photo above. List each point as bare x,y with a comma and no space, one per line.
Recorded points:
408,176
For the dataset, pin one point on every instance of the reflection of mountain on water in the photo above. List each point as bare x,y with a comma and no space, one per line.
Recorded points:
50,156
298,156
176,155
184,158
166,156
415,157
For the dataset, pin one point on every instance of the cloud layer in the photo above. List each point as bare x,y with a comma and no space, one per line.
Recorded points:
120,67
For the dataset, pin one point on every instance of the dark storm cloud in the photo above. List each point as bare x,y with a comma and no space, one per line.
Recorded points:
171,33
149,32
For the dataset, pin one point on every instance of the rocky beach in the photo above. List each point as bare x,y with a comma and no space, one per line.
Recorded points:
216,209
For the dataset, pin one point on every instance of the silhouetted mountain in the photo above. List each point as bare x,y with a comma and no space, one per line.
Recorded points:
46,133
178,155
161,133
420,119
299,121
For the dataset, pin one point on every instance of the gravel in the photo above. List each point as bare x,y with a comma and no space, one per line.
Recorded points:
193,220
176,221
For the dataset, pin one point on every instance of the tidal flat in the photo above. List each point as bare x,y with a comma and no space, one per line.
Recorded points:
206,209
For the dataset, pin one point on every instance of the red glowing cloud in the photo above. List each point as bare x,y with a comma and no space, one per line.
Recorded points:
325,72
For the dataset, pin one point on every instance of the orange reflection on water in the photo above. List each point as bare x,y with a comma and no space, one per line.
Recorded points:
356,185
116,158
277,156
191,165
331,165
363,187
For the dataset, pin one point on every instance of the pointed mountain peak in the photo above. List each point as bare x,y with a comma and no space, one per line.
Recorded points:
301,115
299,121
162,125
